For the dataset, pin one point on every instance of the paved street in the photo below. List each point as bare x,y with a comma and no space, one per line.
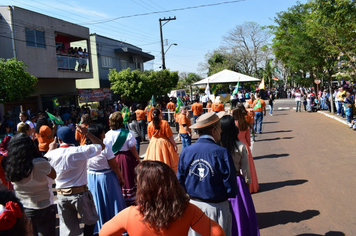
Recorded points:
305,165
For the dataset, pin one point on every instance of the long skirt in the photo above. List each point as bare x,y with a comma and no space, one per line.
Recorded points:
127,163
244,219
106,190
161,149
254,186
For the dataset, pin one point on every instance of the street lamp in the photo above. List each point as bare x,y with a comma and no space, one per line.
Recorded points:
163,55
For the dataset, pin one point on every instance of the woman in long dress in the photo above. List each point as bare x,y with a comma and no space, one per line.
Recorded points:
104,181
123,144
244,136
162,146
244,219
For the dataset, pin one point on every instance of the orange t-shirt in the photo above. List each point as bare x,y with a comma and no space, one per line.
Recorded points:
171,106
164,130
149,114
250,117
217,107
183,120
81,137
130,220
42,137
263,104
140,114
197,109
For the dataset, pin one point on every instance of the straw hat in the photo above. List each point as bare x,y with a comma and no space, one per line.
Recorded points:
207,120
217,99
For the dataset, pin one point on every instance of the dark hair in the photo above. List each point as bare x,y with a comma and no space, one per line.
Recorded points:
21,152
132,117
206,131
96,130
239,115
160,198
40,122
229,133
115,120
87,119
156,113
19,228
24,114
3,127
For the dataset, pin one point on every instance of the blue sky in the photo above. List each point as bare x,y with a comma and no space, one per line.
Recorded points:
197,31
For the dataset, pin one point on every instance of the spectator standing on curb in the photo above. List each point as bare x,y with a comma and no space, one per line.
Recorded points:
298,97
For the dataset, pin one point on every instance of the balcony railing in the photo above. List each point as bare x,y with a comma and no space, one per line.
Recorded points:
72,63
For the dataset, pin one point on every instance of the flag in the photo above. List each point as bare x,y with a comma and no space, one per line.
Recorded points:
257,105
151,104
253,87
275,78
55,102
237,87
125,112
56,120
207,90
262,84
179,105
213,89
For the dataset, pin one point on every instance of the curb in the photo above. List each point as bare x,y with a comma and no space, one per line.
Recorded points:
333,117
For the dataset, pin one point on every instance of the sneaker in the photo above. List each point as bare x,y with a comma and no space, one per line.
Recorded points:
350,127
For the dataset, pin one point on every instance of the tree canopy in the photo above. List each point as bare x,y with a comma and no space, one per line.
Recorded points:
141,85
16,83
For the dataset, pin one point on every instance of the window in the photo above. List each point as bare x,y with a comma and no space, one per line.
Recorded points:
106,62
35,38
123,64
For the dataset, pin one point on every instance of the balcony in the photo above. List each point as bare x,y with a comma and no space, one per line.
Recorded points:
72,63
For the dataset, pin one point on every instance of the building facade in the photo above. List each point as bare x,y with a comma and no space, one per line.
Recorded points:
45,45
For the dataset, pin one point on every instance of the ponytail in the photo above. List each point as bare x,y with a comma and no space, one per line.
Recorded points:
156,113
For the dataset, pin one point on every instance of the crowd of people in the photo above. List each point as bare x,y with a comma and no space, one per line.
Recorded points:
101,181
343,98
72,58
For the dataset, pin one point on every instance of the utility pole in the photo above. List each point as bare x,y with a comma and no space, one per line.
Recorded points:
162,48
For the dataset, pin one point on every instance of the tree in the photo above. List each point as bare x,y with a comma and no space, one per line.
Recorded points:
16,83
246,43
140,86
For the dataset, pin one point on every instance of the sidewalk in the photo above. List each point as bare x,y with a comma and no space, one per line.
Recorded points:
333,116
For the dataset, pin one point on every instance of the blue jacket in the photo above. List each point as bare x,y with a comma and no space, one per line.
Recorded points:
206,171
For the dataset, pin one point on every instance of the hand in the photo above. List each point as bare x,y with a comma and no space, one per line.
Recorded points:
82,129
175,148
53,145
121,181
190,134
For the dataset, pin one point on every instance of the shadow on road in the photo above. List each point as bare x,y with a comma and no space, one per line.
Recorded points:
279,131
271,156
264,187
280,114
271,122
269,219
330,233
273,139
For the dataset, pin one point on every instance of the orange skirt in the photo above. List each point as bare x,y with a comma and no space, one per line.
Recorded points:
161,149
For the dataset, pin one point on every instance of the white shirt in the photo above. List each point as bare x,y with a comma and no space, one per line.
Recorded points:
70,163
111,136
297,96
33,191
100,162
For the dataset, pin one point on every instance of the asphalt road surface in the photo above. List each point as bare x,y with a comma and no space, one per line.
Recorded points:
306,166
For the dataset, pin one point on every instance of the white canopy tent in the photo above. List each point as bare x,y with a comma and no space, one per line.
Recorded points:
226,76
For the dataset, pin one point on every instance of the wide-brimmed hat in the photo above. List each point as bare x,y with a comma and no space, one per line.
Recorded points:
207,120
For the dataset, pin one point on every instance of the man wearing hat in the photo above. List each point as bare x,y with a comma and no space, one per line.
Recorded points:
217,106
207,172
171,107
73,196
